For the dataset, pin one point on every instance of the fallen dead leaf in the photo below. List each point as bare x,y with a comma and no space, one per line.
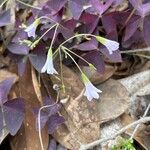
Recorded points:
80,114
114,100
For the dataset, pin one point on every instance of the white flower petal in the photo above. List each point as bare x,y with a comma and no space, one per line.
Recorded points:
91,91
112,46
31,30
88,95
49,67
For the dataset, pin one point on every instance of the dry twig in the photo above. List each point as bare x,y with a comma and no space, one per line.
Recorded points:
98,142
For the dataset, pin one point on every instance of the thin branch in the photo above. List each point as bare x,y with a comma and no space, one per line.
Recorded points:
98,142
137,127
135,50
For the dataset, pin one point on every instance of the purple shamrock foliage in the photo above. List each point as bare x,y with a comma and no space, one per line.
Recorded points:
142,22
11,111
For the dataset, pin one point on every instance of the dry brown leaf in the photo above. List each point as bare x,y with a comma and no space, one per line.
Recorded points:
4,61
138,86
27,137
114,100
4,74
36,85
80,114
98,78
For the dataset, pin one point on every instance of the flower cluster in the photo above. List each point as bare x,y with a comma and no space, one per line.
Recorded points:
90,90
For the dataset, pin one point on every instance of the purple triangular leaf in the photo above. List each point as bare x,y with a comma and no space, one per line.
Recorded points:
54,6
114,57
43,119
87,46
99,7
109,24
14,114
52,145
38,57
18,49
5,87
52,108
94,57
131,28
75,8
53,122
5,18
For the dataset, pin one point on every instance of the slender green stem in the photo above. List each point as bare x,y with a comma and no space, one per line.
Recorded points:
75,36
135,50
76,55
61,71
47,31
73,60
34,43
45,17
3,3
141,55
52,42
28,5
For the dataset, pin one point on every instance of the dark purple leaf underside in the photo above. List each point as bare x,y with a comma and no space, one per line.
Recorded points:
14,114
5,18
53,122
5,87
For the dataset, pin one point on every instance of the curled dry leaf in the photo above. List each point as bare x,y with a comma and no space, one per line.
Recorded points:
138,86
114,100
80,114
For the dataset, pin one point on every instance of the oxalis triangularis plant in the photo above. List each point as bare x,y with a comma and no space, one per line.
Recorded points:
90,90
79,30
